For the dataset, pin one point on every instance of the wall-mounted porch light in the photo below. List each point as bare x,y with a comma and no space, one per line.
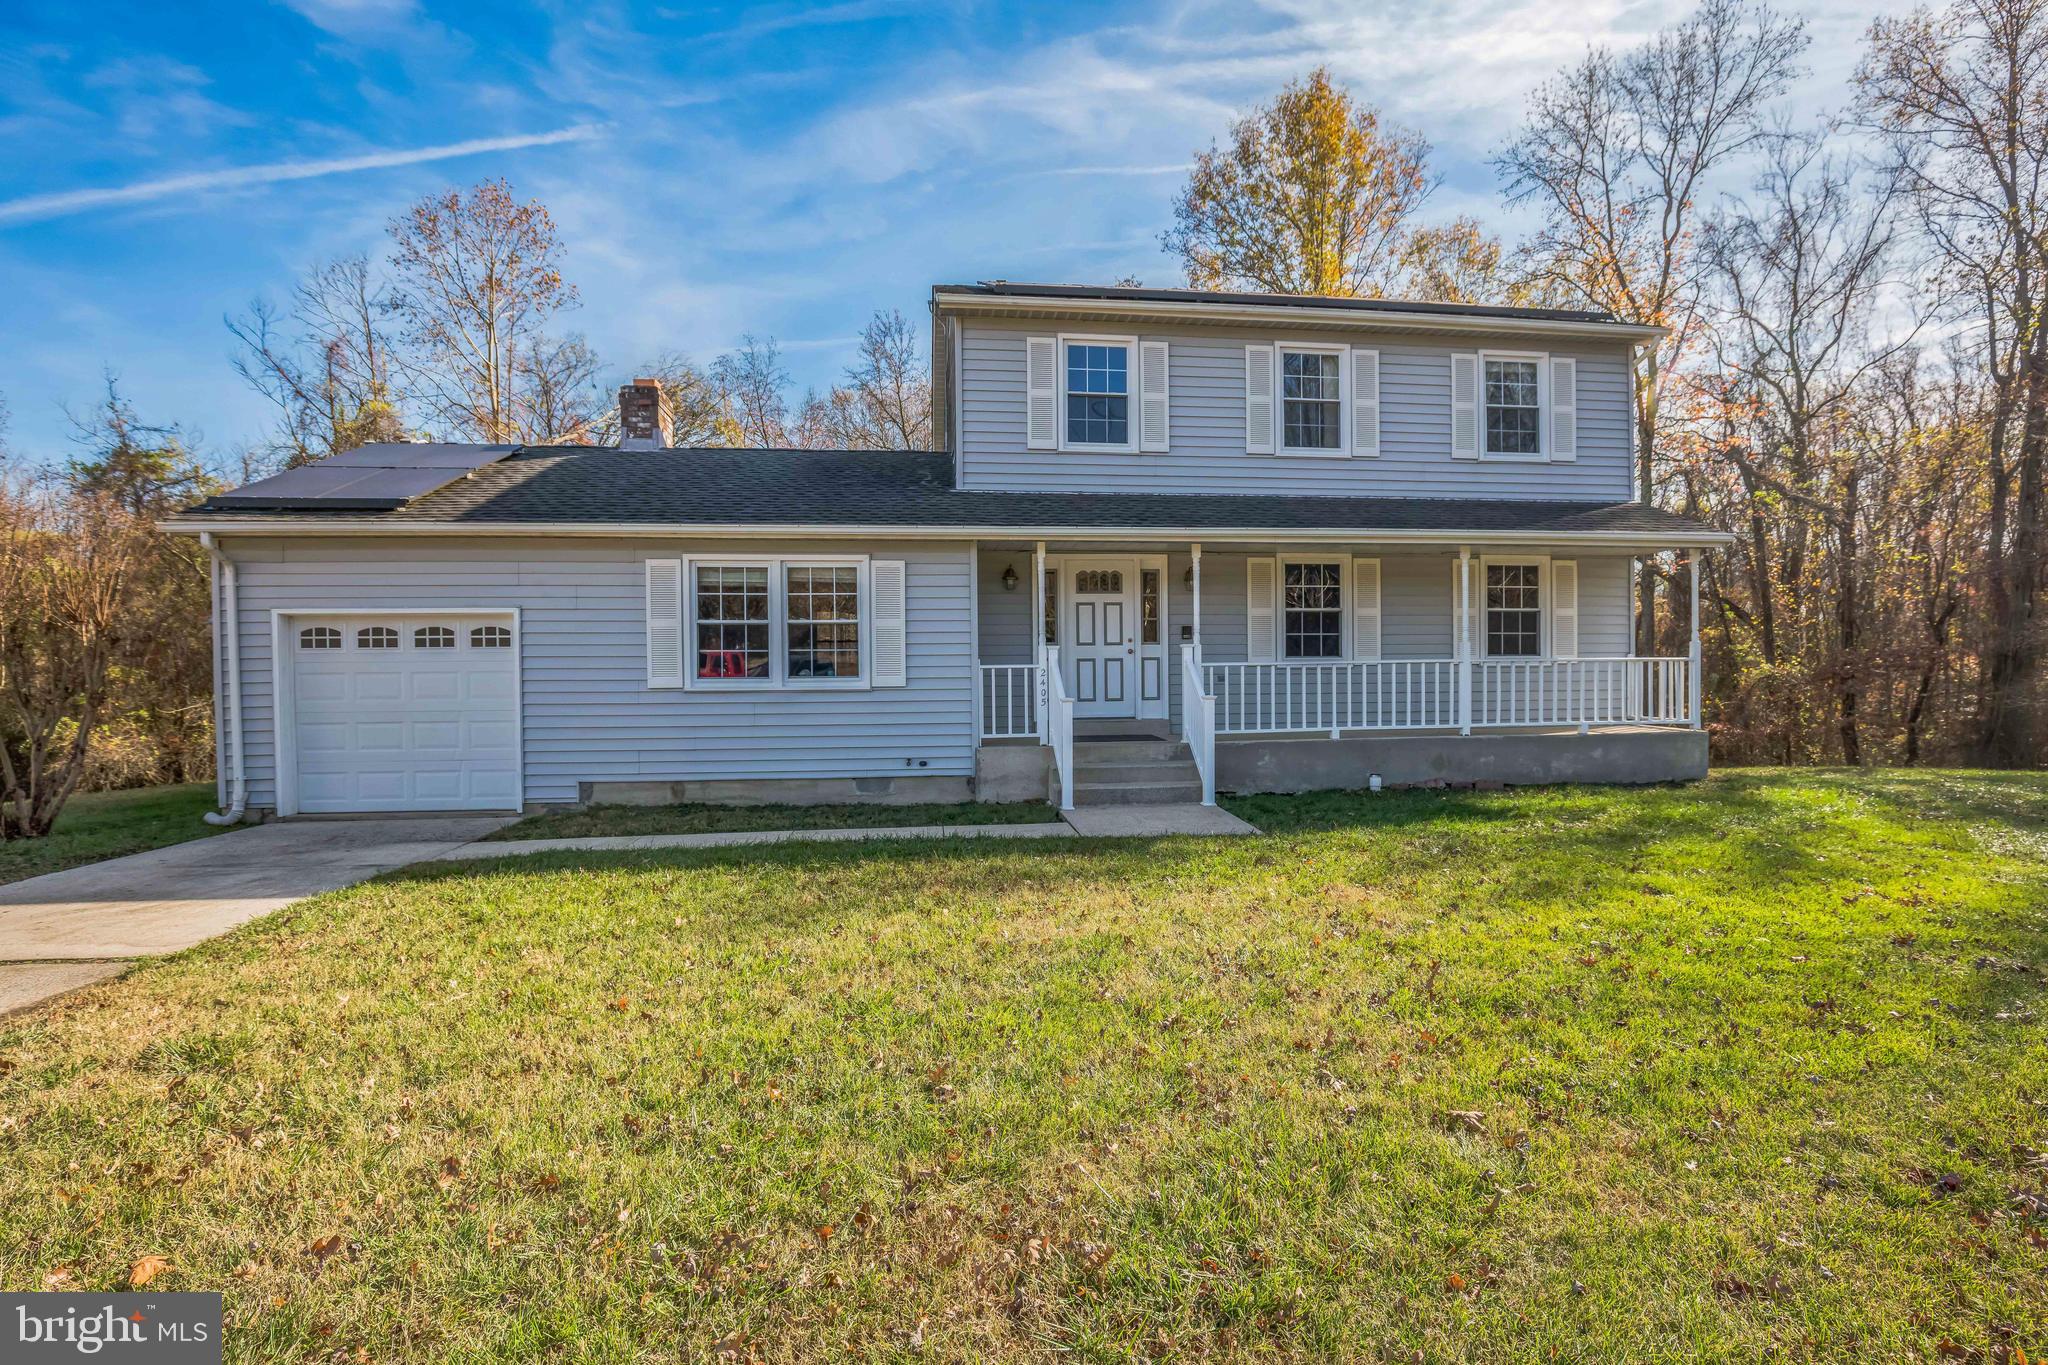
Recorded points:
1009,578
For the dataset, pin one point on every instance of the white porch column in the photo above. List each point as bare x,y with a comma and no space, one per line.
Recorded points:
1195,569
1038,636
1694,683
1464,641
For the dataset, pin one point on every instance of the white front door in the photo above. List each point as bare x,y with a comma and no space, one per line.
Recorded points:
404,713
1100,649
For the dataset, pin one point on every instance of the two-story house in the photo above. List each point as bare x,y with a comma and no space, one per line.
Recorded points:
1177,541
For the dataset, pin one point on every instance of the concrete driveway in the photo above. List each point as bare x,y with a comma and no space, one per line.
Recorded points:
72,928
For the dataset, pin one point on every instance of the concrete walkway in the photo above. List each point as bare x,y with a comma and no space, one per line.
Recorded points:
68,929
1086,821
736,838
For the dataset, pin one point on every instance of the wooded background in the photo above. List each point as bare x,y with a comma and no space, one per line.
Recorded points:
1855,381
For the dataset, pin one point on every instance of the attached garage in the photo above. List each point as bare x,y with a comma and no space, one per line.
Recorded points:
398,712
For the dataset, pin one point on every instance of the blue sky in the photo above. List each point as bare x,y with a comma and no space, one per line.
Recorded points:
713,170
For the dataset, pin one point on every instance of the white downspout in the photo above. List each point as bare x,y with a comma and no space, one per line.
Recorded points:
239,784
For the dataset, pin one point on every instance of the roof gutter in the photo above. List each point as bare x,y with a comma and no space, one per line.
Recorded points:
1298,315
1208,535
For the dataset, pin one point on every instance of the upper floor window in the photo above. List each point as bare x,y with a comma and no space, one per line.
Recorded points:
1514,611
1311,402
1099,393
1514,407
1312,609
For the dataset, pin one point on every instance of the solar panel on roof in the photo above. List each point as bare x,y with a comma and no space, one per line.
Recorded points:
373,477
401,455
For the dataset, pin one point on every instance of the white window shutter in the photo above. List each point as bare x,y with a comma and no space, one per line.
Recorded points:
1564,408
1465,406
1564,608
664,623
1365,402
891,633
1041,397
1258,400
1365,609
1152,387
1259,575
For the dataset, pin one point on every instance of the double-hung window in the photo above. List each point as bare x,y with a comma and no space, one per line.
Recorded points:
1514,611
777,622
823,620
1513,400
1311,400
1312,609
1098,394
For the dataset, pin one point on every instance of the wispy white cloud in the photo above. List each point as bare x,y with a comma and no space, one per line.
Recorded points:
39,206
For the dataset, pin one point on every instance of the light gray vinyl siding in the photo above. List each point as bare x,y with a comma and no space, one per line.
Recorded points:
587,711
1416,607
1207,435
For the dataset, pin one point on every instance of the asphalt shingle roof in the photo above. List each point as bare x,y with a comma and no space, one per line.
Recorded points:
1091,293
724,488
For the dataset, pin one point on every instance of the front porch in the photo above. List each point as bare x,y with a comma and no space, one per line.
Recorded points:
1459,664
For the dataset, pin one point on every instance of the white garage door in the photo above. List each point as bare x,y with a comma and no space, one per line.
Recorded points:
405,713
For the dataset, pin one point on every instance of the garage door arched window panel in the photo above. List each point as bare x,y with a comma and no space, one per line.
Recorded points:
377,637
320,637
490,637
433,637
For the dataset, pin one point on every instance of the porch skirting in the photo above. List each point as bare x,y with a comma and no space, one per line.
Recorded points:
1302,763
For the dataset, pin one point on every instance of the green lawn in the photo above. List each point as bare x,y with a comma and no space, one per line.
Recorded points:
96,825
711,819
1752,1068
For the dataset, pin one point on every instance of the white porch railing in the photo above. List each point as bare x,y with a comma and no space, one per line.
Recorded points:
1634,691
1009,701
1059,733
1281,698
1198,720
1424,694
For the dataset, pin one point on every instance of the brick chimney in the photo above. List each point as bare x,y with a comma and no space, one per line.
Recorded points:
643,422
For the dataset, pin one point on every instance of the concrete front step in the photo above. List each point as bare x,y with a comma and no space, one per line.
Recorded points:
1090,751
1171,770
1136,793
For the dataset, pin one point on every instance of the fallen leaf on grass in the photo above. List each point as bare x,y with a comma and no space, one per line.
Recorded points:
59,1279
147,1268
325,1247
1472,1119
1454,1283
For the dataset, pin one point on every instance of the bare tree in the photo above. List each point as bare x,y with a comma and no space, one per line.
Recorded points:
888,391
751,383
563,403
1798,268
1615,153
1313,195
324,362
1963,94
477,278
69,562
